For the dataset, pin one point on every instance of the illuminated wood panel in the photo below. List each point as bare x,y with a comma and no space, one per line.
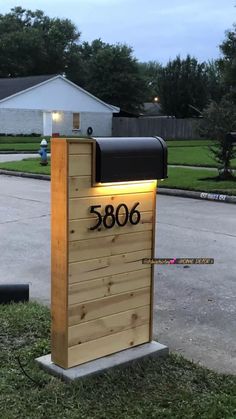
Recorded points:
101,292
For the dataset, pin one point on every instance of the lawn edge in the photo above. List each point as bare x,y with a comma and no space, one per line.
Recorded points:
24,174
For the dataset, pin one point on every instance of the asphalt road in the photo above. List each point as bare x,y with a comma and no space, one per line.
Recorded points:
195,307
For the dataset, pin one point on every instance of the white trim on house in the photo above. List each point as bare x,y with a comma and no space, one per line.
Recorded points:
114,109
47,123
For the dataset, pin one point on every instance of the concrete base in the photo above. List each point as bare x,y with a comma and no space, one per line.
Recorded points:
153,349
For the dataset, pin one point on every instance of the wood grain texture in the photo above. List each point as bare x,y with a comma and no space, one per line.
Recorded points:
80,165
109,285
109,246
80,207
107,345
101,297
83,147
152,293
79,313
80,229
81,187
59,253
98,268
104,326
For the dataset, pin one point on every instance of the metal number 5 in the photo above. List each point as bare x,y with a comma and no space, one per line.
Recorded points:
93,211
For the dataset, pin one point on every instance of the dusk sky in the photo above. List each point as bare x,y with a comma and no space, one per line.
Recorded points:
156,29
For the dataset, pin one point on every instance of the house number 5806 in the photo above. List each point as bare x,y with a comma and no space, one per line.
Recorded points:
120,215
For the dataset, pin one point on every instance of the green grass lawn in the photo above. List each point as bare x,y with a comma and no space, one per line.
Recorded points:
188,143
17,140
154,388
11,143
21,143
192,156
20,147
27,165
195,156
197,180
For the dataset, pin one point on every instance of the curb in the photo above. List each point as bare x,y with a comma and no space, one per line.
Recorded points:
198,195
162,191
23,174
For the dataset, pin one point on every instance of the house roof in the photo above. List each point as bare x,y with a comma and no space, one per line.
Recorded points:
11,85
15,86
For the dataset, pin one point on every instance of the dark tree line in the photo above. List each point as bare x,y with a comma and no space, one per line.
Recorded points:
31,43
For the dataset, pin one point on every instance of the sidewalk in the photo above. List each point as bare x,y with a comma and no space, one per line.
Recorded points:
16,157
194,167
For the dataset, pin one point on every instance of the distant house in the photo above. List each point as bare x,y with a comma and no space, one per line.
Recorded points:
152,109
52,104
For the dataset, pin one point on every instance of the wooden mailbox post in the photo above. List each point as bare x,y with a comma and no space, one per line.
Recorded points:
102,293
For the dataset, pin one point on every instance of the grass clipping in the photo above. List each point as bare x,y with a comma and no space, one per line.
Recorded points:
154,388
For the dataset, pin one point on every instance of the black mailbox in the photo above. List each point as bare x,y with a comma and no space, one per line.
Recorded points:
231,138
130,159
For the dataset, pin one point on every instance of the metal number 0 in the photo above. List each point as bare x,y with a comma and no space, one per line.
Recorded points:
126,217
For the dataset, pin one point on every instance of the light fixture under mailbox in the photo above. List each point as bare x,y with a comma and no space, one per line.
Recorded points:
130,159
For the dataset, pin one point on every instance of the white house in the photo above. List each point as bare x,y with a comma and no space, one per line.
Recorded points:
51,104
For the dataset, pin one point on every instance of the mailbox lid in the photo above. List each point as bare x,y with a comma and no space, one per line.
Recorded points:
121,159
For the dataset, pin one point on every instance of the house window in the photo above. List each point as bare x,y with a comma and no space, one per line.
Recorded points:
76,121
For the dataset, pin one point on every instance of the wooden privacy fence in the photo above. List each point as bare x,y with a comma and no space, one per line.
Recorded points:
166,128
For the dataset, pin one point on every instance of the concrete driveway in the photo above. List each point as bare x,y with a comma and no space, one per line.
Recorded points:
25,234
195,307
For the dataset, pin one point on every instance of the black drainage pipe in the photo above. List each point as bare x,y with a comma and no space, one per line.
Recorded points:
14,293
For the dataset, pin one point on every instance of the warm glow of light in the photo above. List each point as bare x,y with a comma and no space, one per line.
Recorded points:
156,99
126,187
56,116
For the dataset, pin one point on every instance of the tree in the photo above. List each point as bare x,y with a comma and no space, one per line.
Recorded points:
151,72
218,120
183,87
228,61
32,43
111,73
215,85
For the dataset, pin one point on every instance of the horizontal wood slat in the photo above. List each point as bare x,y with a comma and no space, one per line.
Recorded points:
79,313
81,187
80,148
104,326
109,246
80,165
80,229
107,345
80,207
110,285
97,268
